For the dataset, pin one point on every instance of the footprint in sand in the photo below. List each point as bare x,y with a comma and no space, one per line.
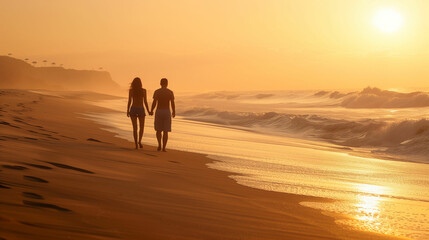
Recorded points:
37,166
35,179
14,167
18,119
12,138
93,140
68,137
8,124
30,138
32,195
45,205
3,186
49,131
60,165
43,134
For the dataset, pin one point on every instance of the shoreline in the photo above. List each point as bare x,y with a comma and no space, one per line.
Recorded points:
313,142
93,185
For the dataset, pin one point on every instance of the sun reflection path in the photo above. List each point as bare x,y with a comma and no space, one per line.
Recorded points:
368,211
369,207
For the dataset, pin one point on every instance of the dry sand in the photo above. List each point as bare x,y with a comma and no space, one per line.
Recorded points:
63,177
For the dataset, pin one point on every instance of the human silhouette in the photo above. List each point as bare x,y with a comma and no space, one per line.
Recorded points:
162,98
136,98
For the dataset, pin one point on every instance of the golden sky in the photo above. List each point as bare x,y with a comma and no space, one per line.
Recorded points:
225,44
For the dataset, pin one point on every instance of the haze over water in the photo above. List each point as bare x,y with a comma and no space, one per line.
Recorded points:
288,150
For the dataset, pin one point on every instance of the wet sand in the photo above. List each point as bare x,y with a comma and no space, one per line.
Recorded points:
63,177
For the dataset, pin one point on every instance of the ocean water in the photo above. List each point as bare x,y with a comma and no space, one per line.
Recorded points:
323,144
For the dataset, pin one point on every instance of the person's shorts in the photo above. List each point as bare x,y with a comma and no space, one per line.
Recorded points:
137,112
163,120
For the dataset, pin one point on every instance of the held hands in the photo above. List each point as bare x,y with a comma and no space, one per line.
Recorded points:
151,114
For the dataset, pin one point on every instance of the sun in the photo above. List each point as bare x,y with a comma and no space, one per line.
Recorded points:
388,20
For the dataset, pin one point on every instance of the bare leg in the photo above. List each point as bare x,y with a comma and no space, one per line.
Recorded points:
141,120
158,137
164,140
134,122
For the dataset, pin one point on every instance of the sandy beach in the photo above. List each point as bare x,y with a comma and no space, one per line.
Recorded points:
63,177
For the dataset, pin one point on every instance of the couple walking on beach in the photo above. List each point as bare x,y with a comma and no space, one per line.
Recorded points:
162,98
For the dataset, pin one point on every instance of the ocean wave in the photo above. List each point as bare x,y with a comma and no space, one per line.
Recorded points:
400,137
378,98
367,98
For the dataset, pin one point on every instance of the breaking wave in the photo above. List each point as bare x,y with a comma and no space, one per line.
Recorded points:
383,121
409,137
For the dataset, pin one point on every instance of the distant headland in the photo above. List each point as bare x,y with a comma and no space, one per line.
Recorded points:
18,74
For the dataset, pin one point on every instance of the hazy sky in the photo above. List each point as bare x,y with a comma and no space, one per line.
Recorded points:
225,44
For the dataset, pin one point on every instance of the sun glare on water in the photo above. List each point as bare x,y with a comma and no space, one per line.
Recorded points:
388,20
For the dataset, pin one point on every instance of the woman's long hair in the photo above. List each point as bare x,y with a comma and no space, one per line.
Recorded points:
136,86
